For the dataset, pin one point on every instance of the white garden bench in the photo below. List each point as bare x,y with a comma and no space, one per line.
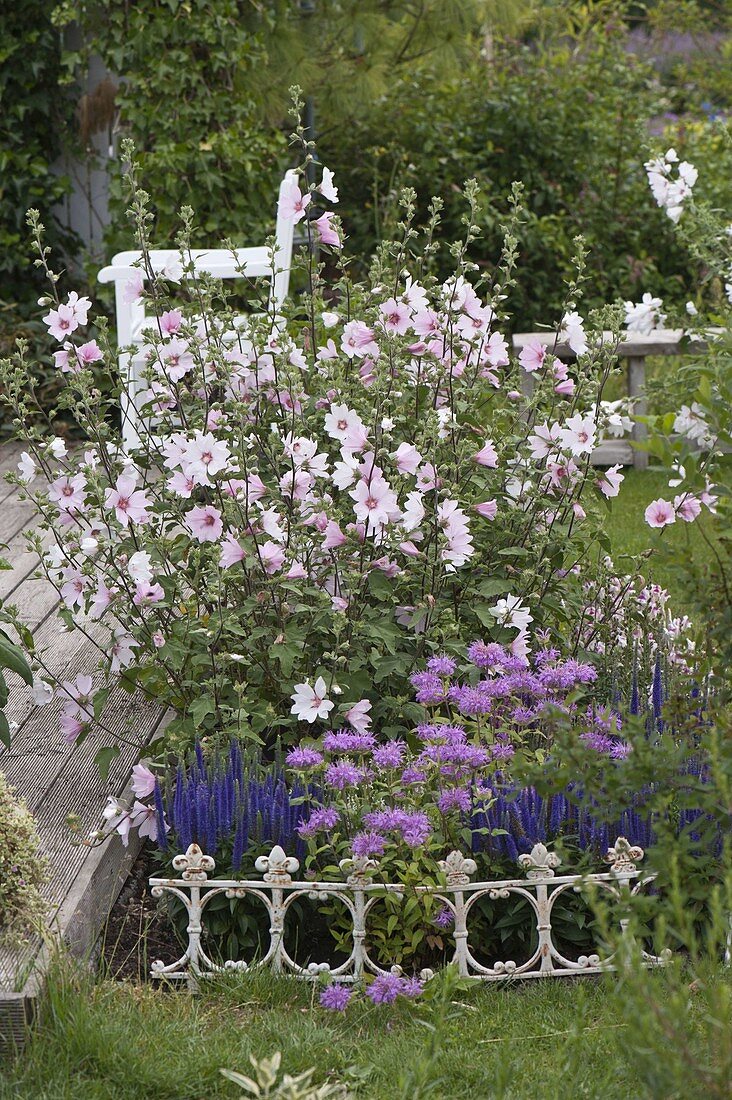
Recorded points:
221,263
635,348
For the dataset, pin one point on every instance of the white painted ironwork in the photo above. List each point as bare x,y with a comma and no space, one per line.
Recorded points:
359,891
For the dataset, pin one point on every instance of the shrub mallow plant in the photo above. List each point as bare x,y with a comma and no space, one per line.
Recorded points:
319,501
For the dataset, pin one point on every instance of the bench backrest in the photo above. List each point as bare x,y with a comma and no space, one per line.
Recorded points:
222,263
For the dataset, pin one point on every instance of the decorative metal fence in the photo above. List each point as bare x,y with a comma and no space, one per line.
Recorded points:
359,892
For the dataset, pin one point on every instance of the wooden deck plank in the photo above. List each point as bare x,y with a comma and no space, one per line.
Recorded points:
56,779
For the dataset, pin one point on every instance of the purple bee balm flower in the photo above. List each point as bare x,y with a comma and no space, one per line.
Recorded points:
441,666
304,758
544,656
343,774
386,820
385,989
445,918
411,776
368,844
501,751
412,987
600,742
488,655
470,701
389,756
457,798
430,688
325,818
336,997
431,732
621,750
348,742
417,831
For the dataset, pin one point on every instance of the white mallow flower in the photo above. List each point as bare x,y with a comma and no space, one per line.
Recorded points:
89,546
55,559
615,420
344,473
680,472
645,316
413,512
573,333
671,194
27,468
512,613
691,309
41,691
139,568
330,320
57,447
692,423
578,434
309,703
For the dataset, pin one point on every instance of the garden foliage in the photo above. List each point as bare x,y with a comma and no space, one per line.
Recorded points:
313,509
22,870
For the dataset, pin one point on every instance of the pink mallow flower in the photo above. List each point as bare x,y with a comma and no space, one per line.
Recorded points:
358,716
660,513
272,557
232,552
334,537
532,356
292,203
67,493
407,458
143,781
61,322
130,504
205,523
609,482
358,340
326,232
396,316
687,506
170,321
487,456
488,509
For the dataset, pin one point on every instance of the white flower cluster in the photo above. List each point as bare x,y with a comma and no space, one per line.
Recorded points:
645,316
671,191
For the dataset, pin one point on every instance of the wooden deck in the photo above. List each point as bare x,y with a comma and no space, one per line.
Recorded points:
56,780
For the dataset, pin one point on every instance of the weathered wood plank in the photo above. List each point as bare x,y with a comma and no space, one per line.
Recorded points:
661,342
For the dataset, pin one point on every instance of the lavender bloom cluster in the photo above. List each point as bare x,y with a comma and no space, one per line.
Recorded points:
514,693
230,807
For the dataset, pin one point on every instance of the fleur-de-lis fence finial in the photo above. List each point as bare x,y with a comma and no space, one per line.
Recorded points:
278,868
358,868
539,862
194,864
623,856
457,868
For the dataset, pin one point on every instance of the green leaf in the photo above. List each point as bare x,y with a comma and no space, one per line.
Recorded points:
104,758
4,731
12,657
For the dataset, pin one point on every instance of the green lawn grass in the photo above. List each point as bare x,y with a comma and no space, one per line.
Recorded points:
630,534
553,1039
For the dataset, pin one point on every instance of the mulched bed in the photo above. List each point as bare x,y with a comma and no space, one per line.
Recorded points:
137,931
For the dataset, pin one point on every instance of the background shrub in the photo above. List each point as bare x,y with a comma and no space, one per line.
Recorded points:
22,871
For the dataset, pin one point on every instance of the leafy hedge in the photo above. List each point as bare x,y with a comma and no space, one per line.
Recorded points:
185,74
570,121
33,118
